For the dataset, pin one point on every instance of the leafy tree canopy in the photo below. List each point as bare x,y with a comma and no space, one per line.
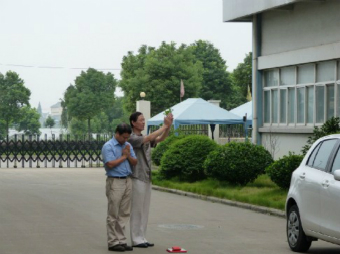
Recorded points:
29,121
242,75
49,123
216,82
158,73
13,96
92,93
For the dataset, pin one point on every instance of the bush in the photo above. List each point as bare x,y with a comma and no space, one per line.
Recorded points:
280,172
237,163
162,147
331,126
184,158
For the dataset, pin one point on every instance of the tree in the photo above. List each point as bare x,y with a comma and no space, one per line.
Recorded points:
92,93
242,75
13,96
158,73
29,121
49,123
216,81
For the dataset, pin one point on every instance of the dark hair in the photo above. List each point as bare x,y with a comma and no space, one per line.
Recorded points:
123,128
134,117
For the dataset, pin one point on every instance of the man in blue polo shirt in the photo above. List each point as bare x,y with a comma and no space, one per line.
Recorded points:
118,158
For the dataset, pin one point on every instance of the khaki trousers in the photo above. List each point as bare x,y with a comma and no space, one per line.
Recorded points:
140,205
118,193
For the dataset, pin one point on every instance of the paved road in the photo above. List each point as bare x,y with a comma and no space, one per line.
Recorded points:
62,211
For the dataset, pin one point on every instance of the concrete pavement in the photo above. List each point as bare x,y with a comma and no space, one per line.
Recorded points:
63,211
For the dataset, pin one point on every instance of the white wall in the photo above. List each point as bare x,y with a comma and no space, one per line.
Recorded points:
307,25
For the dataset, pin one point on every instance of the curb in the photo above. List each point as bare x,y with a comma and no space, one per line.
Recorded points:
260,209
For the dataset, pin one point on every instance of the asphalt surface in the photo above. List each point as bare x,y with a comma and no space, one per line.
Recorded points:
63,211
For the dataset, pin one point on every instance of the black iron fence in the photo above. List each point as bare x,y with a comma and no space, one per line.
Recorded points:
63,151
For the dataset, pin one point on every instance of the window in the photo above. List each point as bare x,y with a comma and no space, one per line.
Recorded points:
267,106
311,159
274,106
321,158
330,101
320,104
287,76
310,104
307,94
306,74
283,103
336,162
291,105
271,78
301,105
325,71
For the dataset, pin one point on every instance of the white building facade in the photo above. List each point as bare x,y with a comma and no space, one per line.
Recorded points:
296,67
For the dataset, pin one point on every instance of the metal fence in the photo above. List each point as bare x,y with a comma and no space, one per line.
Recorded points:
63,151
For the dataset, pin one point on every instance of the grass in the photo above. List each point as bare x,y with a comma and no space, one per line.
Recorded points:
261,192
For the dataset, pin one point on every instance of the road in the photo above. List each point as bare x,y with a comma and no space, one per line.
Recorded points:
62,211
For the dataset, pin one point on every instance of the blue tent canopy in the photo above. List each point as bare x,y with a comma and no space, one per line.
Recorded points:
245,109
197,111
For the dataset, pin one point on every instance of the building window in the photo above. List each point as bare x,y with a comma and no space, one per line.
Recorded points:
301,95
306,74
310,104
320,104
283,104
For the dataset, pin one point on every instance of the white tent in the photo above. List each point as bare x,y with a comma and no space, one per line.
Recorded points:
197,111
245,109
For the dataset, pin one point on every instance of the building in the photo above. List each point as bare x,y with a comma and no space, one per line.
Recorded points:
296,68
56,111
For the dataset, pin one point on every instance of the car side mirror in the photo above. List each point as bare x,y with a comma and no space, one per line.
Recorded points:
337,174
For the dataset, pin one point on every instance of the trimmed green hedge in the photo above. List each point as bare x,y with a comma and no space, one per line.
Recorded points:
184,158
237,163
280,172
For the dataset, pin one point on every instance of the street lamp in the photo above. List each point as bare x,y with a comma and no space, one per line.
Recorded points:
142,95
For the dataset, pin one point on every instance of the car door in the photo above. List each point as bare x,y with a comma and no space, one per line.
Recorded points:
330,200
311,177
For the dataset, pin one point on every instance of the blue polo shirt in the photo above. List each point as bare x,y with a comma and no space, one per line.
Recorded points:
112,150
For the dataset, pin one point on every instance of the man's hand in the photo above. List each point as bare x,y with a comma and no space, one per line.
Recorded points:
126,151
168,120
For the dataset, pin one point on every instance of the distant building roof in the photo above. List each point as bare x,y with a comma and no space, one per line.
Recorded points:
57,105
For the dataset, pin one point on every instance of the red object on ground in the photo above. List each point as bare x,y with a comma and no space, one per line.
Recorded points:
176,249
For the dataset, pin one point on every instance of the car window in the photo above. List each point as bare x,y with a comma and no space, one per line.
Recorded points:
312,156
321,158
336,162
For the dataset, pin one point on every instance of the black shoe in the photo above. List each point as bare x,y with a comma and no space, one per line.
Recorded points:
126,247
141,245
117,248
150,244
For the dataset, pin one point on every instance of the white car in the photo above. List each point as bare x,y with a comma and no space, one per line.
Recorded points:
313,201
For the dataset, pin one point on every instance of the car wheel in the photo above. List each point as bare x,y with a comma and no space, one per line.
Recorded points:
296,237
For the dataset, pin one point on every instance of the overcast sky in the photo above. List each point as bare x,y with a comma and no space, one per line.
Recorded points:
74,34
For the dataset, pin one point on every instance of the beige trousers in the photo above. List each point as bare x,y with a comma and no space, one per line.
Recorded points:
141,194
118,193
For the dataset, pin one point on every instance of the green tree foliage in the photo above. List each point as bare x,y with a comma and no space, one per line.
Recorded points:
237,163
13,96
280,172
158,73
241,80
28,121
184,158
92,93
331,126
216,81
49,123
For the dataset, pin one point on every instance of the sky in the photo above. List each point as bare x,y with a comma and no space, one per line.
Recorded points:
49,42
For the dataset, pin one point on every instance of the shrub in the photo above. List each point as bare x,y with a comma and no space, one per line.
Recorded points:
162,147
331,126
237,163
184,158
280,172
